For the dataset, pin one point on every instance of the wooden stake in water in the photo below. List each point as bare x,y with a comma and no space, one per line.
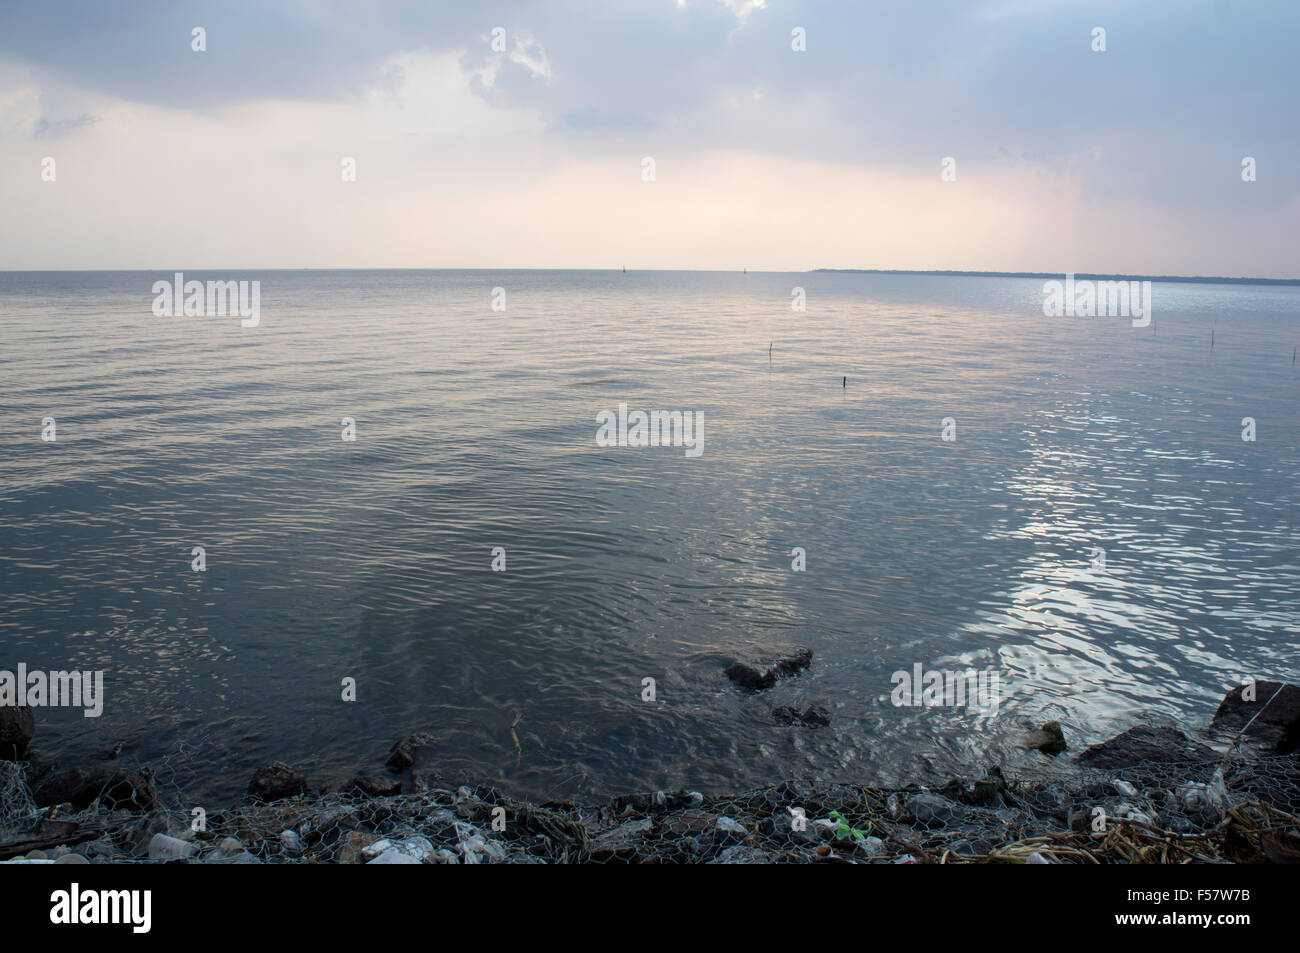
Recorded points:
845,383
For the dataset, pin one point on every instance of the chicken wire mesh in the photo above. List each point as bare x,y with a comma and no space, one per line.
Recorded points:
1234,810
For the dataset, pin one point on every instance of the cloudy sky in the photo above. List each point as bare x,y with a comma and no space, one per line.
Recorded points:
1066,159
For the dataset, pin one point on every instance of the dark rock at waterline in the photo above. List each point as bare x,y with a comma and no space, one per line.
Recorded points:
276,781
1048,739
1277,726
17,725
816,717
80,786
756,679
1147,744
982,793
371,786
747,676
785,715
402,755
813,717
658,802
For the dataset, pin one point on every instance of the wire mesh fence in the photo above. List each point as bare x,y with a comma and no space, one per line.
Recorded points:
1235,810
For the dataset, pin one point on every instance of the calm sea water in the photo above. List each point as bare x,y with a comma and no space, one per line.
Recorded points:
372,559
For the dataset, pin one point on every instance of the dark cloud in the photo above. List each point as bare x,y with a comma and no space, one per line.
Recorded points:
1183,87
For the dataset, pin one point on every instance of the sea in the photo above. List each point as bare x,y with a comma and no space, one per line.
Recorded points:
385,509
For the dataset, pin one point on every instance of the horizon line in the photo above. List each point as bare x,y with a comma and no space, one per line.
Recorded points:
925,272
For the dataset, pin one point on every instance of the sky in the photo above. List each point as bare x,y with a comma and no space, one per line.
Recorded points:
533,154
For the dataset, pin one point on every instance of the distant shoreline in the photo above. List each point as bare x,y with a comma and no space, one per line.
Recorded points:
1089,276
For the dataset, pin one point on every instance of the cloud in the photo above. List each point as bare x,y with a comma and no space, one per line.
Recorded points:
592,118
743,8
416,93
47,129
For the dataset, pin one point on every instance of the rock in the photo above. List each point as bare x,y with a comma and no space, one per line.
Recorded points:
747,676
163,847
1277,726
72,859
481,850
816,717
687,823
402,754
1048,739
417,848
785,715
444,825
276,781
240,857
699,832
354,843
81,786
869,847
475,845
17,725
982,793
621,842
371,786
743,854
328,822
228,845
291,842
757,679
932,811
1145,744
522,857
792,664
653,803
785,826
394,856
